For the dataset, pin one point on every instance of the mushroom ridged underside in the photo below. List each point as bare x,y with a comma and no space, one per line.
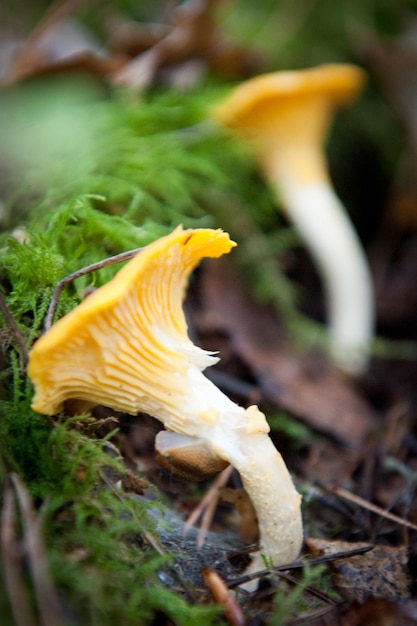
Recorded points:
126,346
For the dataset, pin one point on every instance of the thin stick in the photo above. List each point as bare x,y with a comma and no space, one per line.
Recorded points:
313,591
347,495
117,258
12,561
207,518
50,610
327,558
220,481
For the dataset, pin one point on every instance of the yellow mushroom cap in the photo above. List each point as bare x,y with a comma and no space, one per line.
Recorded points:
337,83
286,115
126,346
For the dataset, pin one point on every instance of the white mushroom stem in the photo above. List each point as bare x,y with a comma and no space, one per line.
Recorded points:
240,437
299,175
286,115
329,237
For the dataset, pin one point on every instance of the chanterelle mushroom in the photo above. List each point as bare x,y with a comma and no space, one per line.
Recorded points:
126,347
287,115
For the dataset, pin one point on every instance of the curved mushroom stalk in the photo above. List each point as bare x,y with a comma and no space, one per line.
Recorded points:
126,347
240,437
286,115
277,509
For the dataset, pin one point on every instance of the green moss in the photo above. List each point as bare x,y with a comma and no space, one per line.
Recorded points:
104,571
103,568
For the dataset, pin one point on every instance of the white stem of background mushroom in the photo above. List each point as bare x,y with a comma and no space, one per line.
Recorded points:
298,171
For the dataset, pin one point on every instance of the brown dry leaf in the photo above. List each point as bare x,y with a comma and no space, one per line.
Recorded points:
380,573
192,33
223,596
58,43
189,44
315,392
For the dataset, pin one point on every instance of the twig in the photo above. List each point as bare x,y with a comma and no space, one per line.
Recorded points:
327,558
314,616
313,591
12,557
208,515
15,329
117,258
347,495
50,610
204,504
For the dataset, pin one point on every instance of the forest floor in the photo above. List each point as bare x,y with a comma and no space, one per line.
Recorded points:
93,530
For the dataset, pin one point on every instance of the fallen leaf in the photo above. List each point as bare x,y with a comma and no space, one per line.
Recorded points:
192,32
232,611
379,573
59,46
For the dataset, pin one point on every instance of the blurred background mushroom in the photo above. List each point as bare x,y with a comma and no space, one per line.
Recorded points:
287,115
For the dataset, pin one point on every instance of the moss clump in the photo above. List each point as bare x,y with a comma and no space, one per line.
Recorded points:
104,571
